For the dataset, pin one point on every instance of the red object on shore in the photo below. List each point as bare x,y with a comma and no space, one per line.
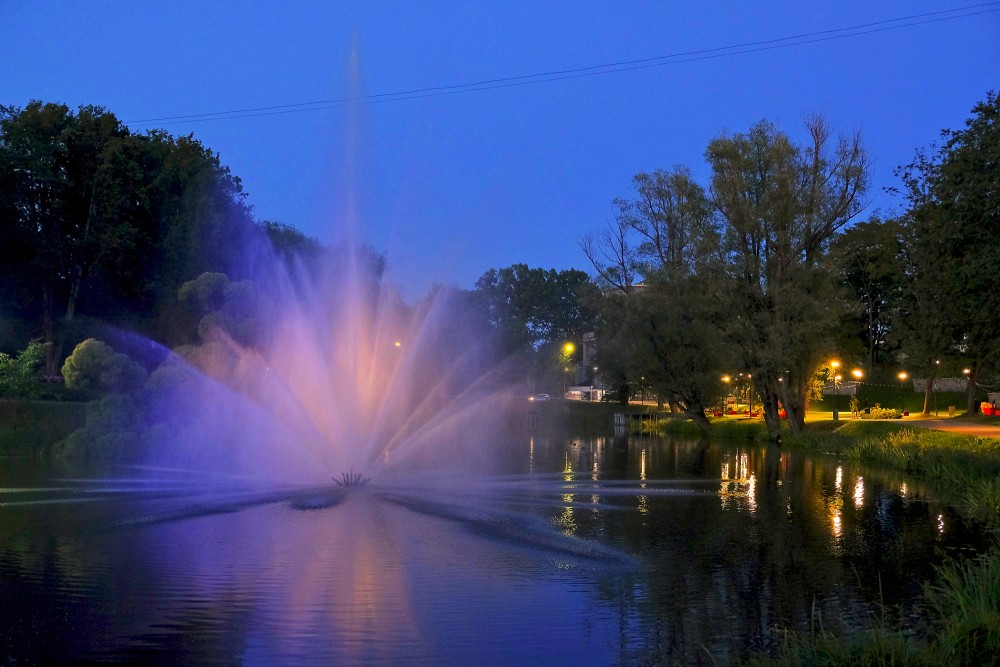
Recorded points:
782,414
990,412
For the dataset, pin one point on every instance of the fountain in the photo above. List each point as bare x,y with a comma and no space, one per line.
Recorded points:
341,380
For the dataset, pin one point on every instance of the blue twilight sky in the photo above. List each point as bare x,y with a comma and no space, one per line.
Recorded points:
452,185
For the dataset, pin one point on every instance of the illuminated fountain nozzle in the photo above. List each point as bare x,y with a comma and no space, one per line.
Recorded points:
352,479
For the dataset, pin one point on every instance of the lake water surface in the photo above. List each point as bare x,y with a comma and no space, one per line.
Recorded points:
578,551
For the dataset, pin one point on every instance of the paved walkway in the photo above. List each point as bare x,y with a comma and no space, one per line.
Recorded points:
970,427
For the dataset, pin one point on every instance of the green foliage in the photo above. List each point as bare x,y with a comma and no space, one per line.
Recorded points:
19,375
236,309
878,412
111,431
952,230
531,308
782,204
204,294
869,256
27,427
95,366
101,221
966,604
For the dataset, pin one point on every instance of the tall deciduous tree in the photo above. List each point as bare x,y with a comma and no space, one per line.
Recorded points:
955,219
98,220
64,214
782,204
665,332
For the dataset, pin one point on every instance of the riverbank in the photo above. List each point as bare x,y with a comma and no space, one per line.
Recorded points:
963,604
28,427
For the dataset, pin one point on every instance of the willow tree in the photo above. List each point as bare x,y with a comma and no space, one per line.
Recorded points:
782,203
665,333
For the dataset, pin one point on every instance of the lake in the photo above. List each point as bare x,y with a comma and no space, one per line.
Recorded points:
574,550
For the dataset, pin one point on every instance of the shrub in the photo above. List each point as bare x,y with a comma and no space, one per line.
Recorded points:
95,366
111,431
878,412
19,375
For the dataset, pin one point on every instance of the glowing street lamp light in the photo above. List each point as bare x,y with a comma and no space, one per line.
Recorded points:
858,374
970,407
567,353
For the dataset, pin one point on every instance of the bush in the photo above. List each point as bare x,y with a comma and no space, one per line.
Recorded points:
95,366
878,412
19,375
111,431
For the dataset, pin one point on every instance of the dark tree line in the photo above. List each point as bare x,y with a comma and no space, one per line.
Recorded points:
767,265
99,221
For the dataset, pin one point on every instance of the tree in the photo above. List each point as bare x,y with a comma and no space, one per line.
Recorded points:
869,258
666,332
782,204
534,307
94,365
100,221
64,216
954,221
19,375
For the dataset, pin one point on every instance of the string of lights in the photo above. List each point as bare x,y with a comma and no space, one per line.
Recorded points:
591,70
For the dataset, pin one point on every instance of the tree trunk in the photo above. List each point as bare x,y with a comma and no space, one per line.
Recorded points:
772,419
928,391
48,331
696,413
972,406
795,408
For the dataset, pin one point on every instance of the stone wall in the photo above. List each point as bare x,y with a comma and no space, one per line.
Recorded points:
941,384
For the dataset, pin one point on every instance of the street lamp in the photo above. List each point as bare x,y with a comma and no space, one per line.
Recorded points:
834,365
902,391
725,399
969,407
567,354
858,374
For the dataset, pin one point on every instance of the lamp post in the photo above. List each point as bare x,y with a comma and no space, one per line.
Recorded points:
725,399
902,391
567,357
969,407
858,374
937,369
834,365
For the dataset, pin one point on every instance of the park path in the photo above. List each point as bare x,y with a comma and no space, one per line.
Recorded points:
956,426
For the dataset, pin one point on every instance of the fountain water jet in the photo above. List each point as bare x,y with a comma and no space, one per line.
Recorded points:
338,374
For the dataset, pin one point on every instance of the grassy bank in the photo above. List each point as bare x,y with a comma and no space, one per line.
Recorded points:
963,470
963,604
26,427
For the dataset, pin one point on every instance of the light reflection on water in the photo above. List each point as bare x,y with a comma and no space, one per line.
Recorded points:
685,547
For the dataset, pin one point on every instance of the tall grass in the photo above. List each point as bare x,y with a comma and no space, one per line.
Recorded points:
965,603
